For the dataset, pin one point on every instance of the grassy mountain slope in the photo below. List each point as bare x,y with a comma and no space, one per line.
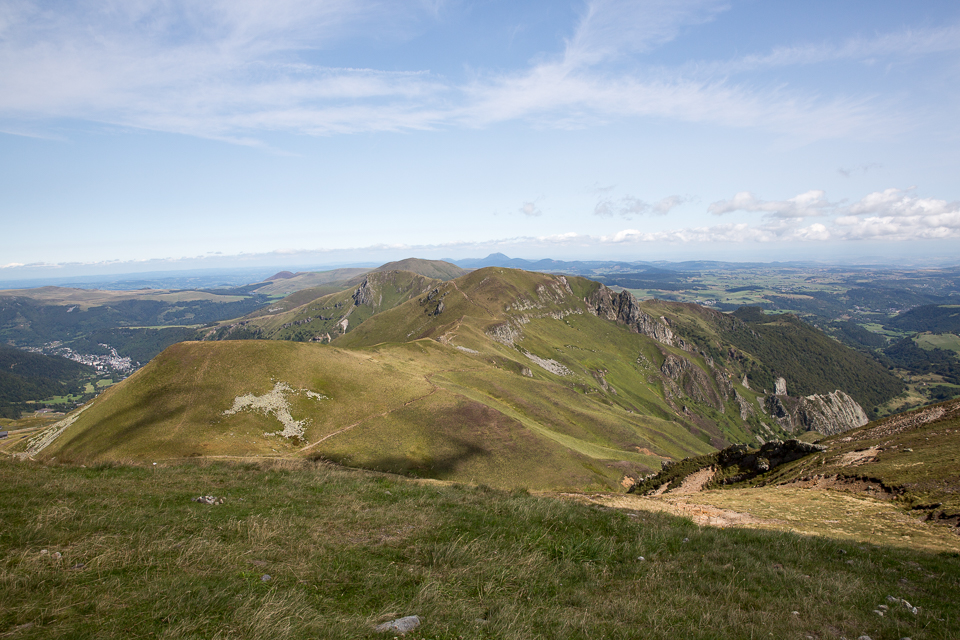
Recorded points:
563,395
410,419
305,317
537,325
315,313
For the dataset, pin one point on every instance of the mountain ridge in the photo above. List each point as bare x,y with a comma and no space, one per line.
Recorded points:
463,379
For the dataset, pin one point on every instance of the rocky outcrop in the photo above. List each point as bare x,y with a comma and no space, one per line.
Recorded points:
747,463
828,413
506,333
746,408
771,455
692,379
780,387
624,309
364,293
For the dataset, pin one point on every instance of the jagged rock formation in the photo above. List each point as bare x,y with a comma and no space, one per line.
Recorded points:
364,293
828,413
692,379
624,309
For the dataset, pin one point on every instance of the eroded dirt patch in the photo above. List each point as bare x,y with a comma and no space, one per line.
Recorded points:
811,511
856,458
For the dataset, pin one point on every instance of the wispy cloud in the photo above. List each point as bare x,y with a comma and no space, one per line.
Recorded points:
864,168
217,69
629,206
237,70
610,29
901,44
530,209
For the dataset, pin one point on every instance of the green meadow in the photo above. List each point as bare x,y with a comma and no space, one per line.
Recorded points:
306,549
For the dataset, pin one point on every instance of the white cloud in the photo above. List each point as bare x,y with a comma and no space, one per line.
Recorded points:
892,215
811,203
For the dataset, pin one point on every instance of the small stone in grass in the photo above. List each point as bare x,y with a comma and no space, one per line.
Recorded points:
265,577
400,625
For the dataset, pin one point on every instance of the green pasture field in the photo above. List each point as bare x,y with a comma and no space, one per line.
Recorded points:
878,328
311,550
947,341
87,298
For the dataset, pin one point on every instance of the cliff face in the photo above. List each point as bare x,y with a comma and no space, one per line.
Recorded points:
828,413
623,308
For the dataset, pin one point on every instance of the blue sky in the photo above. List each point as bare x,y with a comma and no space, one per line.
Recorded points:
145,134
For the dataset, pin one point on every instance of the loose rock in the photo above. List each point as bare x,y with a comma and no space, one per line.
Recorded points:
208,500
400,625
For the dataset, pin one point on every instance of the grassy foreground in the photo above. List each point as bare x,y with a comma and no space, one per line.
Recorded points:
348,549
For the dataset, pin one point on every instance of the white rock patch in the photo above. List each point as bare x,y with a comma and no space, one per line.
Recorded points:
552,366
45,438
275,402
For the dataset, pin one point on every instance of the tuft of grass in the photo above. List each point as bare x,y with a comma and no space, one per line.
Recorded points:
346,550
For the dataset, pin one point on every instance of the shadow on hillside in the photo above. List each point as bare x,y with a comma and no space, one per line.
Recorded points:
439,467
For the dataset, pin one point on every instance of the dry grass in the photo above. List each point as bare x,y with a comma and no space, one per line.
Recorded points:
834,514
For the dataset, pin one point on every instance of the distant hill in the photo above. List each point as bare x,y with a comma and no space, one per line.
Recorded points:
308,279
547,265
937,318
428,268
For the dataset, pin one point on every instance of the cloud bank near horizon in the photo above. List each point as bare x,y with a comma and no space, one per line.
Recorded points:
887,217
